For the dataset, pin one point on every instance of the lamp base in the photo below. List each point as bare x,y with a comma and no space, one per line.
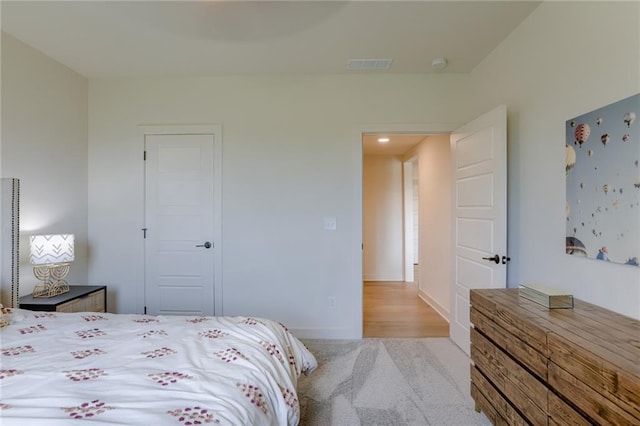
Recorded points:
52,277
50,289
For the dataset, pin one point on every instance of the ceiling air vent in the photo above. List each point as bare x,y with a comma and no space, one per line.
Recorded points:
369,64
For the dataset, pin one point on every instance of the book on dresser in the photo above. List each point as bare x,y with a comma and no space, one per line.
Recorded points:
79,298
540,366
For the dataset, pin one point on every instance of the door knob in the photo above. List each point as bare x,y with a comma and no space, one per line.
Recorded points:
494,258
206,245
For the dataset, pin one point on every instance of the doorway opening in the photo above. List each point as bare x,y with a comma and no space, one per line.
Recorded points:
468,165
398,300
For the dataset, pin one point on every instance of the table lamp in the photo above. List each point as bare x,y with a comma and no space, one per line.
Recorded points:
50,255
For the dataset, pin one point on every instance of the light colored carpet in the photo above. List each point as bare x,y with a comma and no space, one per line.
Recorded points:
388,382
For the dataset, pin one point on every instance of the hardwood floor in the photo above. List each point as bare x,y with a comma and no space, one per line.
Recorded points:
393,309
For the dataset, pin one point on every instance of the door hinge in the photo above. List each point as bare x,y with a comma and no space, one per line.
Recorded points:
144,156
144,233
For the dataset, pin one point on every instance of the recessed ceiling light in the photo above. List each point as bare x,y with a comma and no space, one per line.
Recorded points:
383,140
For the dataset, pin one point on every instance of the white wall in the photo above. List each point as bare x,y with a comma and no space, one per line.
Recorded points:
291,156
290,159
566,59
382,200
44,144
434,158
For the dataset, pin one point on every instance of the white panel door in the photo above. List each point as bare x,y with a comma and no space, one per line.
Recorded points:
480,214
179,223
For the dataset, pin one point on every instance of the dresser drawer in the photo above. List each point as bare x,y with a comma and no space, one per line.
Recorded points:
525,391
490,401
612,377
561,414
76,305
96,302
93,302
518,348
592,401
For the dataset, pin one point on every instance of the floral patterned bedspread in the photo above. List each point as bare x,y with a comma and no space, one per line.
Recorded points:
61,368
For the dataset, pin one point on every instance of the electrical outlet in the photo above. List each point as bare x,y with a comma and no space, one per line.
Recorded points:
330,223
332,302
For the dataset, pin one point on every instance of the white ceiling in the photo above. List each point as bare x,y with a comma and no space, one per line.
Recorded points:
187,38
196,38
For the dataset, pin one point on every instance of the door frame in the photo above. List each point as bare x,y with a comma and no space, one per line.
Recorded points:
408,190
358,131
192,129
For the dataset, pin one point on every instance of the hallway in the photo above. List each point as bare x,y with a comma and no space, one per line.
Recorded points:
393,309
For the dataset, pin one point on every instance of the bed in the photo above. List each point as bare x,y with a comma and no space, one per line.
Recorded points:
57,368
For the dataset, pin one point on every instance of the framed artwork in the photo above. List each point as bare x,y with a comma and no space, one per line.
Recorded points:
603,183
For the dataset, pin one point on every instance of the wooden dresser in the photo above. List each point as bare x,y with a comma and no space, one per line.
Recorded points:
539,366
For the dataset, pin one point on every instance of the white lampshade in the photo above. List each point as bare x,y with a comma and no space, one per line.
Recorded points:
47,249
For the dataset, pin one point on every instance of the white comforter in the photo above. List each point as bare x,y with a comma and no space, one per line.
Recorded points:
59,368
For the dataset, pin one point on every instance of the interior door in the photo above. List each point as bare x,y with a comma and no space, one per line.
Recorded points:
479,152
179,224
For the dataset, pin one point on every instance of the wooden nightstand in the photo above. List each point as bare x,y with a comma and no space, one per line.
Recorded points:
79,298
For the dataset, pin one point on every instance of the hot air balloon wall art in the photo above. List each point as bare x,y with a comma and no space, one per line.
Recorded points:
602,167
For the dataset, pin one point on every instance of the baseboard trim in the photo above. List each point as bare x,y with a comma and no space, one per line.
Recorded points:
444,313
